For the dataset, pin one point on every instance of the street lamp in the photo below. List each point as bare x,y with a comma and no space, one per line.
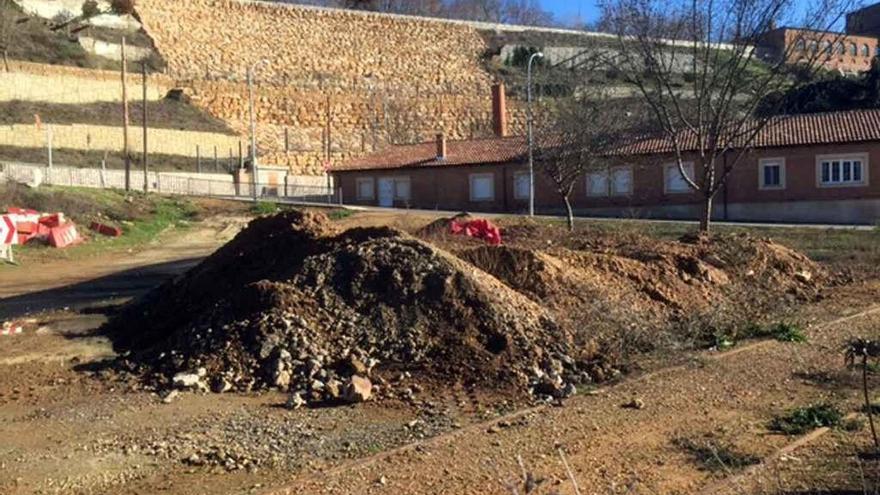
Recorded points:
250,82
531,137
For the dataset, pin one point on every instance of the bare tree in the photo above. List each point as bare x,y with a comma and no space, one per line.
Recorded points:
702,93
580,139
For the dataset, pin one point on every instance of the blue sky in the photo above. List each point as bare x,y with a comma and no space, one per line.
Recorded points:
566,11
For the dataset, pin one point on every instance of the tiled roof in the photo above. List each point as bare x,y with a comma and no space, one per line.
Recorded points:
792,130
466,152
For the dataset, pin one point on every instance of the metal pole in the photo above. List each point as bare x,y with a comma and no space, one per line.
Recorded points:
144,122
198,160
250,82
531,137
49,143
125,122
216,161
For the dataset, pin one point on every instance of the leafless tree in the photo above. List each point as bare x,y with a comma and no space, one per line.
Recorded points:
702,94
579,137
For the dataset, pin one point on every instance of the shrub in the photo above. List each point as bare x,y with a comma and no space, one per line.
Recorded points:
804,419
90,9
716,456
122,7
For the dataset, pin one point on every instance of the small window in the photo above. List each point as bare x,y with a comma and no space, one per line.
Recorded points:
772,173
482,187
866,50
800,46
841,49
826,47
521,187
401,189
814,46
597,183
365,188
853,49
621,181
846,170
674,181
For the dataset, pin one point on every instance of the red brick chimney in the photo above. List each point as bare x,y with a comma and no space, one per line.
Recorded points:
441,147
499,109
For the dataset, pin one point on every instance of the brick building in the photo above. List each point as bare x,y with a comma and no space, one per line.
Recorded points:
804,168
848,53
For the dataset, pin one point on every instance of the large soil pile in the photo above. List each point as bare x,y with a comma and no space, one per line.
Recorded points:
291,304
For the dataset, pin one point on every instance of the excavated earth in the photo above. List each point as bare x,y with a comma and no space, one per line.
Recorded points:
334,317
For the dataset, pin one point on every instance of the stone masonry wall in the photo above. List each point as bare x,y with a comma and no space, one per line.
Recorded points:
383,78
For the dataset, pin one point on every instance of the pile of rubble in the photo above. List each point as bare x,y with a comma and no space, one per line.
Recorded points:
342,317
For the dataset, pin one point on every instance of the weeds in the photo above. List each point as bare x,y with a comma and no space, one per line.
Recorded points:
264,208
804,419
713,455
862,350
340,214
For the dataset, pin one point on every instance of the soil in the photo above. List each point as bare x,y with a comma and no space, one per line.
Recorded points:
72,425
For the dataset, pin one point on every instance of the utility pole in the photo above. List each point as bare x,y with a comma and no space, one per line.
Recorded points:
531,136
144,121
250,83
125,122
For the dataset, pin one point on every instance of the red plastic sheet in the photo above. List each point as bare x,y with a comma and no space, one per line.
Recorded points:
479,229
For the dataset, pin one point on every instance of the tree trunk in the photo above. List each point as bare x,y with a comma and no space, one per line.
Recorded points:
6,59
706,214
869,407
569,212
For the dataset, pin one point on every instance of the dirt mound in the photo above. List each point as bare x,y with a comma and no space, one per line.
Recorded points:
288,304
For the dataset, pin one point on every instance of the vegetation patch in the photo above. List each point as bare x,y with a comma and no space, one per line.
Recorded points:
804,419
713,455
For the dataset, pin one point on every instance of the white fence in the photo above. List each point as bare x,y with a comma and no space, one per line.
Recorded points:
293,189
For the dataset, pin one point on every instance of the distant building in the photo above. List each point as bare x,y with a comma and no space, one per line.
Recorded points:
865,21
844,52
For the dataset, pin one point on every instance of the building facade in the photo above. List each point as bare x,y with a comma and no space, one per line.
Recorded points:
818,168
845,52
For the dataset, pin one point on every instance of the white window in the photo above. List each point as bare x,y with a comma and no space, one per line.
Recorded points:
366,188
482,187
771,173
521,185
673,180
597,183
842,170
621,181
401,189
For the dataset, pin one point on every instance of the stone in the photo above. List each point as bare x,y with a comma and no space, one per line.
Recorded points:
636,403
169,396
333,389
803,276
185,380
295,401
358,389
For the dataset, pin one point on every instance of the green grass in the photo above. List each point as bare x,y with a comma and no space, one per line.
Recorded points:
715,456
264,208
142,218
340,214
804,419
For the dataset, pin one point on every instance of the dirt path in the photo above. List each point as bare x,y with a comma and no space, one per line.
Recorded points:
729,397
196,242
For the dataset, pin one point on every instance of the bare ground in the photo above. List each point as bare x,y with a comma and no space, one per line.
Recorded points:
67,429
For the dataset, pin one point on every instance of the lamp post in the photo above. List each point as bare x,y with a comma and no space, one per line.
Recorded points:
250,82
531,137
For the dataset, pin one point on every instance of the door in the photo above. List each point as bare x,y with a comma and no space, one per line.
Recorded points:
386,192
